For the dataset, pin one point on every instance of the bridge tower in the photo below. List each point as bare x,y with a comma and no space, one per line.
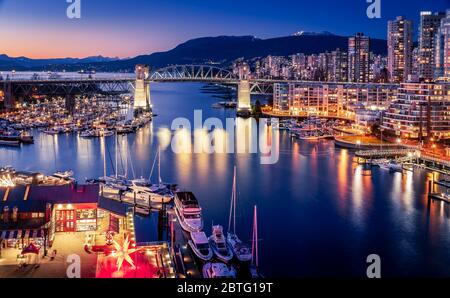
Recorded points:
9,99
243,106
142,88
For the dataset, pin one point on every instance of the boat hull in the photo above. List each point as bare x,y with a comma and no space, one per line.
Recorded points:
241,251
184,225
199,254
225,257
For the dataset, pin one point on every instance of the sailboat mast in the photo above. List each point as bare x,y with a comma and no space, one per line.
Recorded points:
116,156
255,238
233,204
234,201
256,235
104,158
231,207
159,165
125,141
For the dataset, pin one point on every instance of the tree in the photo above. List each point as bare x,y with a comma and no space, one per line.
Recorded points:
257,111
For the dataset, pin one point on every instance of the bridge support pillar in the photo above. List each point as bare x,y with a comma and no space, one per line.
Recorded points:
70,103
8,96
243,106
142,89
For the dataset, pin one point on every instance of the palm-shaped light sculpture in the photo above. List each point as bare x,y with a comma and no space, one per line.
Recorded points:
123,253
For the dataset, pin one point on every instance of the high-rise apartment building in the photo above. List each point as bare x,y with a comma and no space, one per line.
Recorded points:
428,29
400,46
358,58
442,49
339,66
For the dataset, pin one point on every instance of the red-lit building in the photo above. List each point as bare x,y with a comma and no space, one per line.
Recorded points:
35,213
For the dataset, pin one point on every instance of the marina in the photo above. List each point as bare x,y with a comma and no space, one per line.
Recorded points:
320,170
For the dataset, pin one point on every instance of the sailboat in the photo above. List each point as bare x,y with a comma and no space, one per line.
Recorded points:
113,182
242,252
155,193
254,264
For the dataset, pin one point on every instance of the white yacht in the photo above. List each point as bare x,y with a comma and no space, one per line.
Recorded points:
188,211
65,175
200,246
105,133
144,194
218,270
88,134
219,244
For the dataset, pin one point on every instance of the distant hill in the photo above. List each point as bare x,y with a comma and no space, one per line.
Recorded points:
224,49
24,63
221,49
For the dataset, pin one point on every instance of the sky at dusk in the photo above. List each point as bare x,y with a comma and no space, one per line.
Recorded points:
41,29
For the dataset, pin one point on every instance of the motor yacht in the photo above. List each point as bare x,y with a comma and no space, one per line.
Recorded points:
219,244
188,211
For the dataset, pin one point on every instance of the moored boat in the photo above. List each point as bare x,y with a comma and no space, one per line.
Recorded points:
242,251
13,143
219,244
200,246
188,211
218,270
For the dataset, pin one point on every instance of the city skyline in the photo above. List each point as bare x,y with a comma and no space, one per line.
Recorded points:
119,33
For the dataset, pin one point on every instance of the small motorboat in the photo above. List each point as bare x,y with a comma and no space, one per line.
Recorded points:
219,244
200,246
26,138
391,166
218,270
88,134
65,175
9,143
242,252
105,133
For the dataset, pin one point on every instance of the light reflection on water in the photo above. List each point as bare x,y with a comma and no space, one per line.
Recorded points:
319,215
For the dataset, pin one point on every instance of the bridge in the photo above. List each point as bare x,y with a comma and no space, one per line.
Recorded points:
17,87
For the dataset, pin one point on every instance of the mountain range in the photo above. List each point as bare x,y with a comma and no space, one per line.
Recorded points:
220,50
24,63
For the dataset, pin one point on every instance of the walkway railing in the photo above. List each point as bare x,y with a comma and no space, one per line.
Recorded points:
386,153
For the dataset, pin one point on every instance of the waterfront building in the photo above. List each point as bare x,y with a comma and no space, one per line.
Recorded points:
34,213
339,72
281,98
421,110
358,58
332,99
442,49
429,25
400,46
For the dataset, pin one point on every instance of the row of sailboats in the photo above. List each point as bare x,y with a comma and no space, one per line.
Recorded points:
140,192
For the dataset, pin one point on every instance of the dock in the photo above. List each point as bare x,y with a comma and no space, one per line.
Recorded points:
185,262
438,196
